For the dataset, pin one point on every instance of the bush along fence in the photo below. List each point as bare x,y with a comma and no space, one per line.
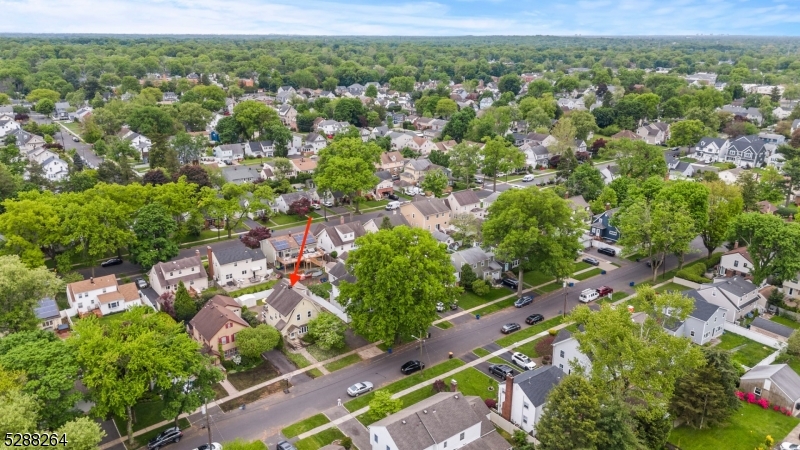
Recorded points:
750,397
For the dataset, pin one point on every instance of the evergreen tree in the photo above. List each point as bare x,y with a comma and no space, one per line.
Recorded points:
467,276
570,420
185,307
706,397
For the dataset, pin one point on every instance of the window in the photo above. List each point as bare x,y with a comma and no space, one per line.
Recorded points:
445,444
475,266
482,263
309,314
80,305
461,437
171,273
229,276
113,305
304,329
736,264
692,333
561,353
235,264
104,291
191,282
525,405
524,419
244,272
757,391
376,438
298,317
560,366
223,340
745,265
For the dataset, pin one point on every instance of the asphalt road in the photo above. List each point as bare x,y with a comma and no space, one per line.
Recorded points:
264,419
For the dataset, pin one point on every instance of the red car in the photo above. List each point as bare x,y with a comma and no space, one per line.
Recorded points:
604,290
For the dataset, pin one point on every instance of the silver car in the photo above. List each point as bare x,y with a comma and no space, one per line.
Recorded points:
359,388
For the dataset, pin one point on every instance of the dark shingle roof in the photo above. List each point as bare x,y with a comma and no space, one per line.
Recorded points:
537,384
772,327
237,253
214,315
283,299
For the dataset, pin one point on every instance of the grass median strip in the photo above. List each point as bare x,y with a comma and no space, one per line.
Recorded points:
343,362
407,382
588,274
546,289
319,440
530,331
494,307
302,362
481,352
304,425
444,325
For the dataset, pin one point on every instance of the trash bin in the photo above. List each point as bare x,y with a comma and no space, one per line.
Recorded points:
631,284
478,316
389,350
602,272
570,284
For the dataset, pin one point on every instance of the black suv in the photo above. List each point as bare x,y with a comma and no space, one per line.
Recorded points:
412,366
510,282
167,436
607,251
111,262
534,319
501,371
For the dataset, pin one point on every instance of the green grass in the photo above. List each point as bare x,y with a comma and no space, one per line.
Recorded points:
536,278
588,274
670,287
304,425
792,361
546,289
748,427
748,353
374,203
636,256
322,355
145,413
143,439
469,300
384,346
580,265
72,126
494,307
110,319
285,219
219,391
617,296
474,382
407,382
444,325
253,289
319,440
530,331
343,362
530,348
785,321
301,362
481,352
205,235
251,377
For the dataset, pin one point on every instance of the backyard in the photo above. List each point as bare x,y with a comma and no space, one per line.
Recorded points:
785,321
744,351
748,428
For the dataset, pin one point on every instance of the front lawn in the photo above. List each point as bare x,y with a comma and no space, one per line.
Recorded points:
251,377
530,348
285,219
494,307
407,382
343,362
320,439
469,300
748,428
301,362
322,355
530,331
474,382
444,325
546,289
785,321
580,265
536,278
588,274
304,425
374,203
481,352
143,439
744,351
671,287
219,391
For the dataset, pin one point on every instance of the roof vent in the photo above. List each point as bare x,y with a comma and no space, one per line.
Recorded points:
424,411
404,422
456,395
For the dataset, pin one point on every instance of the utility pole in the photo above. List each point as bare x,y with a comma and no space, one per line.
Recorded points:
208,424
421,341
565,298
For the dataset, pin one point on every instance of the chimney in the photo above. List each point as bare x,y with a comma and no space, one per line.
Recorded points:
506,412
453,386
735,245
197,253
210,261
91,280
608,206
341,220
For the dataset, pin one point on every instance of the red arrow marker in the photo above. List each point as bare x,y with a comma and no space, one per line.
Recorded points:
294,277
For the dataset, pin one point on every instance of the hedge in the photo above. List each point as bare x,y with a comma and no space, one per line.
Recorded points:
694,273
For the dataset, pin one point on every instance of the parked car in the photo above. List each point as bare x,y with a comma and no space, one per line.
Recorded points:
789,446
510,282
314,273
510,328
439,307
74,138
412,366
214,446
359,388
168,436
526,300
602,291
392,205
607,251
327,203
393,197
316,206
111,262
592,261
523,361
588,295
501,371
141,283
527,178
285,445
534,319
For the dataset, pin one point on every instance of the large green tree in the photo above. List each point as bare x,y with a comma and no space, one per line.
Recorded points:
586,181
254,116
636,159
724,204
185,308
189,393
570,419
435,182
387,307
686,133
155,230
327,331
252,342
21,289
773,245
347,165
499,155
706,397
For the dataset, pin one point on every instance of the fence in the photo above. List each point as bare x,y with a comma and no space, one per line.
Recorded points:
752,335
505,425
336,311
685,282
792,314
250,300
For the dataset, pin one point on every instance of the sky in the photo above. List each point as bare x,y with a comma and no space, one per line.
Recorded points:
404,17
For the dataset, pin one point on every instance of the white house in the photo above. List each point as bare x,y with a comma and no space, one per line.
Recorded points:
237,264
103,293
165,276
230,151
705,322
8,124
710,150
316,141
464,202
483,264
522,399
735,295
735,262
566,352
655,133
339,238
284,201
730,176
55,169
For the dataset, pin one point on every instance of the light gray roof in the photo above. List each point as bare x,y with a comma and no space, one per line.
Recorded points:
237,253
240,174
781,375
284,299
430,206
46,309
772,327
537,384
419,164
356,228
472,255
540,150
439,236
292,197
467,197
706,141
196,270
395,219
563,335
703,310
736,286
384,175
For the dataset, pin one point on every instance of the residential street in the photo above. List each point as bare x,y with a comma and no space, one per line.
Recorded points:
264,419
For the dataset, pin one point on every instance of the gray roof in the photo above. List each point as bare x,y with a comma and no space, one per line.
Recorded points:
706,141
537,384
472,255
772,327
46,309
241,174
540,150
796,123
736,286
681,166
439,236
284,299
781,375
356,228
430,206
384,175
419,164
563,335
395,219
237,253
703,310
467,197
292,197
340,273
430,421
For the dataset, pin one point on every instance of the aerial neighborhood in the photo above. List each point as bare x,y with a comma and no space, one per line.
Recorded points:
495,244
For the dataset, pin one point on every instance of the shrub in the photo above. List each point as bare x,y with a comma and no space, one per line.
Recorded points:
714,260
439,386
346,442
694,273
552,331
480,288
490,403
545,346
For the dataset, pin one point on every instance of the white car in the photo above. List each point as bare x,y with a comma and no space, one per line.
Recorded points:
523,361
359,388
327,203
439,307
527,178
214,446
315,206
789,446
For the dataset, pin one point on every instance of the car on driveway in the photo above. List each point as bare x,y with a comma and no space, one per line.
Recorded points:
510,328
592,261
285,445
327,203
523,361
359,388
604,290
522,301
534,319
789,446
168,436
607,251
440,307
214,446
412,366
316,206
501,371
111,262
393,197
141,283
510,282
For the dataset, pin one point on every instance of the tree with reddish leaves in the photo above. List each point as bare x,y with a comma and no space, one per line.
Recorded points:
300,207
167,301
194,174
253,238
156,177
598,144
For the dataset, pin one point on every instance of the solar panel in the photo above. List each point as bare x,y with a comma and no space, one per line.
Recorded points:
299,239
47,308
280,245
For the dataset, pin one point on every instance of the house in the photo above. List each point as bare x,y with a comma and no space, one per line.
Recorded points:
338,238
536,155
522,399
241,174
735,262
8,124
27,142
301,164
776,160
602,228
442,421
569,104
282,251
401,140
260,149
229,151
772,138
385,184
445,239
464,202
655,133
284,201
746,152
331,127
215,326
169,97
47,314
795,125
777,383
751,114
681,171
82,114
336,274
231,265
140,142
736,296
316,141
566,352
702,79
772,329
486,102
391,161
705,322
165,276
609,173
781,113
627,134
289,309
414,170
765,207
423,146
288,116
482,263
285,93
61,111
427,213
730,176
396,220
103,293
578,204
356,89
55,168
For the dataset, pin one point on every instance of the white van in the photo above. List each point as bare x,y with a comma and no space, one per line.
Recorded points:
528,177
588,295
392,205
